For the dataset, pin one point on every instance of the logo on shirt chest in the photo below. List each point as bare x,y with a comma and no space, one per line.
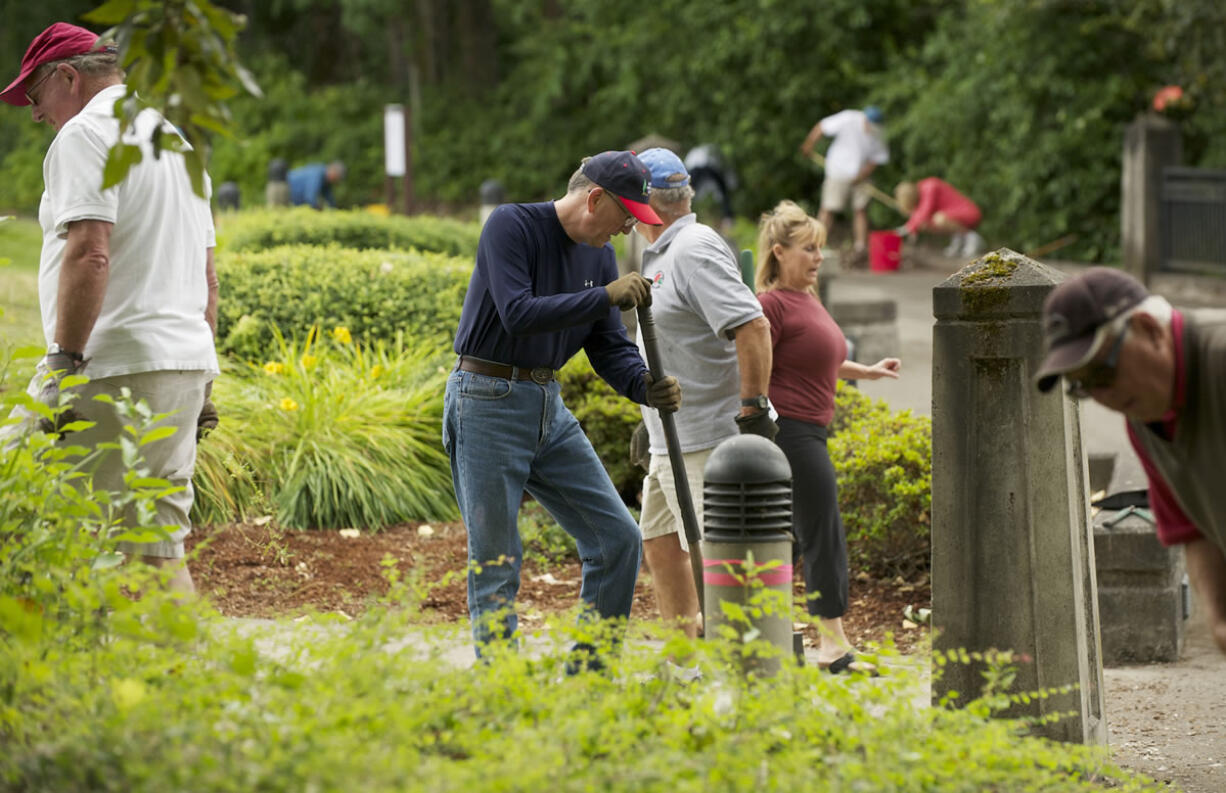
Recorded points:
658,280
589,284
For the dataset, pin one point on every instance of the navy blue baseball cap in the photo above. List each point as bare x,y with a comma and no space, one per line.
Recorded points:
667,169
625,176
874,114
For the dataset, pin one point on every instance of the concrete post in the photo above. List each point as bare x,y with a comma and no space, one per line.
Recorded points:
1012,552
1151,143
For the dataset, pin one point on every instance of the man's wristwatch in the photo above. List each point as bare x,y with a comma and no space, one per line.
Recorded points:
758,402
56,349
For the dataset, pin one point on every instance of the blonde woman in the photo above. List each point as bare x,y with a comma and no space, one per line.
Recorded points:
810,355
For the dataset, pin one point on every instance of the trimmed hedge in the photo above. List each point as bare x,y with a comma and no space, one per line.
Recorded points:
375,294
884,464
255,230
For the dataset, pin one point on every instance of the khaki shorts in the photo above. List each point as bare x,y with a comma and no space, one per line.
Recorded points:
173,458
661,514
835,193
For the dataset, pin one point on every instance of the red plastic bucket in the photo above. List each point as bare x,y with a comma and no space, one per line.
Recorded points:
884,251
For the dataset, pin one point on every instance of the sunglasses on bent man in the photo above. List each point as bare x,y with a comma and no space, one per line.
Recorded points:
1098,375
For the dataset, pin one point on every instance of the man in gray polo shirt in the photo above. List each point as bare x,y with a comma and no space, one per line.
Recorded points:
715,341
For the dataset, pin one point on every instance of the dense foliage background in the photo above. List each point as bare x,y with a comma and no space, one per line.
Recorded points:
1020,103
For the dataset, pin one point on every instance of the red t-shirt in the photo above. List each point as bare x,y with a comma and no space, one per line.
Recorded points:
807,349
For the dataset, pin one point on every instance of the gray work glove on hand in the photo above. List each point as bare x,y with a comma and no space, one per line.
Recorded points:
208,419
759,423
664,394
60,365
640,447
629,291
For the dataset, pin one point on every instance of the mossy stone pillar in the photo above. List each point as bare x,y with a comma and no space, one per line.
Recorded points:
1012,549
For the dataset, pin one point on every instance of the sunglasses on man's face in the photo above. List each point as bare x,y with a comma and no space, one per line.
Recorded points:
1098,375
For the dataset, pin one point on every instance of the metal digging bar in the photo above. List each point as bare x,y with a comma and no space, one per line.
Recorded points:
689,521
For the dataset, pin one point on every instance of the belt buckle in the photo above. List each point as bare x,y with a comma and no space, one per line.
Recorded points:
540,375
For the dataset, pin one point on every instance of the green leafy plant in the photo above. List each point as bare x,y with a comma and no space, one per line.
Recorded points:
180,57
331,433
883,461
544,541
375,294
608,419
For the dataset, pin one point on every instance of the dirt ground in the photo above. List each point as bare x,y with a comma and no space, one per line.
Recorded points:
250,570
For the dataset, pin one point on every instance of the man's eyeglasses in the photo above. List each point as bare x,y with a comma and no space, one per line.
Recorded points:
1099,375
29,92
630,219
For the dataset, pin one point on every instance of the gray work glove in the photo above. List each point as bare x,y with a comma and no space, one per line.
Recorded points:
664,394
629,291
759,423
60,365
640,447
208,419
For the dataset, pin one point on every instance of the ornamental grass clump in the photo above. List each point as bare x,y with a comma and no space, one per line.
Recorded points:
330,433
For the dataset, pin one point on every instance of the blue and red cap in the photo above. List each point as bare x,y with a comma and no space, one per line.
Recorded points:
626,177
56,43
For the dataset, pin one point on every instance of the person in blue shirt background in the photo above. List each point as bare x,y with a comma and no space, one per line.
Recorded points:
545,286
311,185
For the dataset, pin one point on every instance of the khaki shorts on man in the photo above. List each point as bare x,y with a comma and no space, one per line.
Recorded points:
661,514
836,192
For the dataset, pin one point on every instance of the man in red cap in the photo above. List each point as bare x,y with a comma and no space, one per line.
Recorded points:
126,281
544,287
1165,370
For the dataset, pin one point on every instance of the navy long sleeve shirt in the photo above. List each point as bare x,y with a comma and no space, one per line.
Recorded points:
536,297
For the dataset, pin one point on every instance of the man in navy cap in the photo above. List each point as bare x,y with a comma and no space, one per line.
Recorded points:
126,282
718,344
1165,371
544,287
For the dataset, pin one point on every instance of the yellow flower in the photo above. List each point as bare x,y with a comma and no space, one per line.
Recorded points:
308,361
288,404
274,367
341,334
375,371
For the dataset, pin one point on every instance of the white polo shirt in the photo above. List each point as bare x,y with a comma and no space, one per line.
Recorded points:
152,316
852,146
697,297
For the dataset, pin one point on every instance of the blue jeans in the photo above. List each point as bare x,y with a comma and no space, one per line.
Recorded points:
505,437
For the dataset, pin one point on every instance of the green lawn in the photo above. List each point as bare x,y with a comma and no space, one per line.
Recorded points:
20,324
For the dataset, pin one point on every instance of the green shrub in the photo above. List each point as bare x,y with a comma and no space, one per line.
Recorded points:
330,434
884,465
322,706
608,419
255,230
375,294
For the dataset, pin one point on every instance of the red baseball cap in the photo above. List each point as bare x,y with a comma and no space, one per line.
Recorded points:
56,43
627,178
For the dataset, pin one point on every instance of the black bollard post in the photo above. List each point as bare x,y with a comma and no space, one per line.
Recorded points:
747,543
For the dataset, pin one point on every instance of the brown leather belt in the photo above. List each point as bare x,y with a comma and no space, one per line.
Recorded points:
539,374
